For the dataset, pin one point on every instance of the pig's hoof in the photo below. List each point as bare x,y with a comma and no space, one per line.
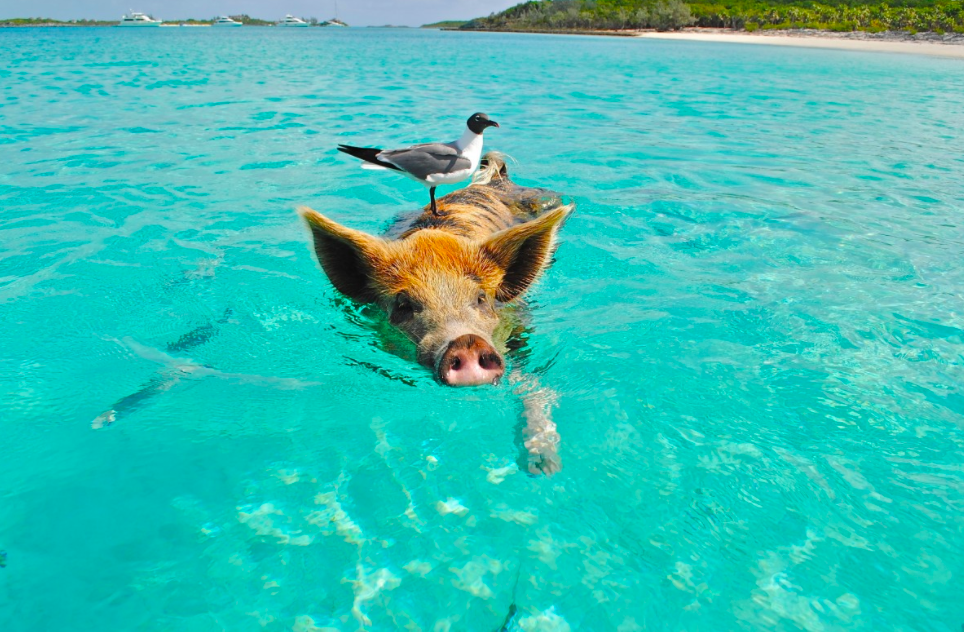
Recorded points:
104,419
547,463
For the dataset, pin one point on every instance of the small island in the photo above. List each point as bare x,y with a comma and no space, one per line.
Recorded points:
243,19
53,22
445,24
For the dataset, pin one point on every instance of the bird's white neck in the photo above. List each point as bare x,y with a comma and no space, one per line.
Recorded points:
469,139
470,146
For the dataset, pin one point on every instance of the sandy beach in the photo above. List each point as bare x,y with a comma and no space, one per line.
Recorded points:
818,40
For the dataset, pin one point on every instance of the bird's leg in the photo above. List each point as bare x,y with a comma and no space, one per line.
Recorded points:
431,193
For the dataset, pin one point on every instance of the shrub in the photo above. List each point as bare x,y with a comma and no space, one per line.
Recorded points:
670,15
843,27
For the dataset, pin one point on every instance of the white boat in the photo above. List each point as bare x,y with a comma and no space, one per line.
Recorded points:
334,22
138,19
223,20
291,20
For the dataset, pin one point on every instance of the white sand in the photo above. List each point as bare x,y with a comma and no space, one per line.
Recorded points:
915,48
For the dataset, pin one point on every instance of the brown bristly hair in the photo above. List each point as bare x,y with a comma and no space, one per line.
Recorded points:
505,261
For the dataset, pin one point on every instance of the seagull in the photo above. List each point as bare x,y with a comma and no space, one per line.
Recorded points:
431,164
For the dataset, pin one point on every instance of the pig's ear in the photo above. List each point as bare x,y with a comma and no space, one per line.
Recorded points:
347,256
524,251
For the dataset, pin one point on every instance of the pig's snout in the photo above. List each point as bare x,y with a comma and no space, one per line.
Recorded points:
469,361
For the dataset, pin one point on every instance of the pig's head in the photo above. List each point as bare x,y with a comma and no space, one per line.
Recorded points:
441,289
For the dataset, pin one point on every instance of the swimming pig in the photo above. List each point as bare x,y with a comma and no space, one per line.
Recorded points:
444,280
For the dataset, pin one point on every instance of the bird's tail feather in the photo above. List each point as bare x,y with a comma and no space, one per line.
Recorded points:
368,154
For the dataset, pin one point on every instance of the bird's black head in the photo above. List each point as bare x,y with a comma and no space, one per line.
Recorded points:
479,121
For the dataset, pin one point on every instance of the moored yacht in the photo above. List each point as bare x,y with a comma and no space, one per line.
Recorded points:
138,19
223,20
291,20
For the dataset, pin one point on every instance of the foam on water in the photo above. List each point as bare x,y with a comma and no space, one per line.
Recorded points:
753,331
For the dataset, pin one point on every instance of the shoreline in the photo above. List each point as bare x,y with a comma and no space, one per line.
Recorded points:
54,25
623,33
930,44
925,43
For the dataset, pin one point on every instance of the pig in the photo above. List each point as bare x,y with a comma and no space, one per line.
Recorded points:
446,281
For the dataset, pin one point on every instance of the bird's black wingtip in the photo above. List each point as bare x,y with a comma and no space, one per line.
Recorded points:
368,154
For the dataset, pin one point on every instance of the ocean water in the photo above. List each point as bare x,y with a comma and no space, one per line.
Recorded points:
754,330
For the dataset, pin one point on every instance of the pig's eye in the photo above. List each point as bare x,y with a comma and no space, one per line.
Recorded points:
483,299
403,309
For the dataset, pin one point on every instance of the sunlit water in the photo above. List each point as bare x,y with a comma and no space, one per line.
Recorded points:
754,328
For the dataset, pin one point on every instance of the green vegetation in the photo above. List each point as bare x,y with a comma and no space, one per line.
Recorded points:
53,22
190,21
247,20
588,15
832,15
445,24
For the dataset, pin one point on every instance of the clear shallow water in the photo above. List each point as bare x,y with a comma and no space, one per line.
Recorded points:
754,326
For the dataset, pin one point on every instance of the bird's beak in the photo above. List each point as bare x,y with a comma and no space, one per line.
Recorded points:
492,124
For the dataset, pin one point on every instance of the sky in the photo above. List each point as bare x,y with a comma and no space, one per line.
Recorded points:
354,12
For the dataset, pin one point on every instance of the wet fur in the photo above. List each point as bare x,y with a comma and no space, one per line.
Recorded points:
462,269
492,236
490,204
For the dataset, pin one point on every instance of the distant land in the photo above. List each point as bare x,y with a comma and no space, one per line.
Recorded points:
244,19
445,24
613,16
53,22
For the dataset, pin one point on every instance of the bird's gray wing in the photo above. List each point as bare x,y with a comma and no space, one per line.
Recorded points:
425,160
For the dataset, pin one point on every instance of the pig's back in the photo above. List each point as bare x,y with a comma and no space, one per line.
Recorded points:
480,210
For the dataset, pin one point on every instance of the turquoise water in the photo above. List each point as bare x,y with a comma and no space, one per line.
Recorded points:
754,328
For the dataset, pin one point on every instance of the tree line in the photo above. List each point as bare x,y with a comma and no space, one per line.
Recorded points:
938,16
578,15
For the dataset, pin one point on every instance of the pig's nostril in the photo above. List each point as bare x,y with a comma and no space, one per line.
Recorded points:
456,363
489,361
